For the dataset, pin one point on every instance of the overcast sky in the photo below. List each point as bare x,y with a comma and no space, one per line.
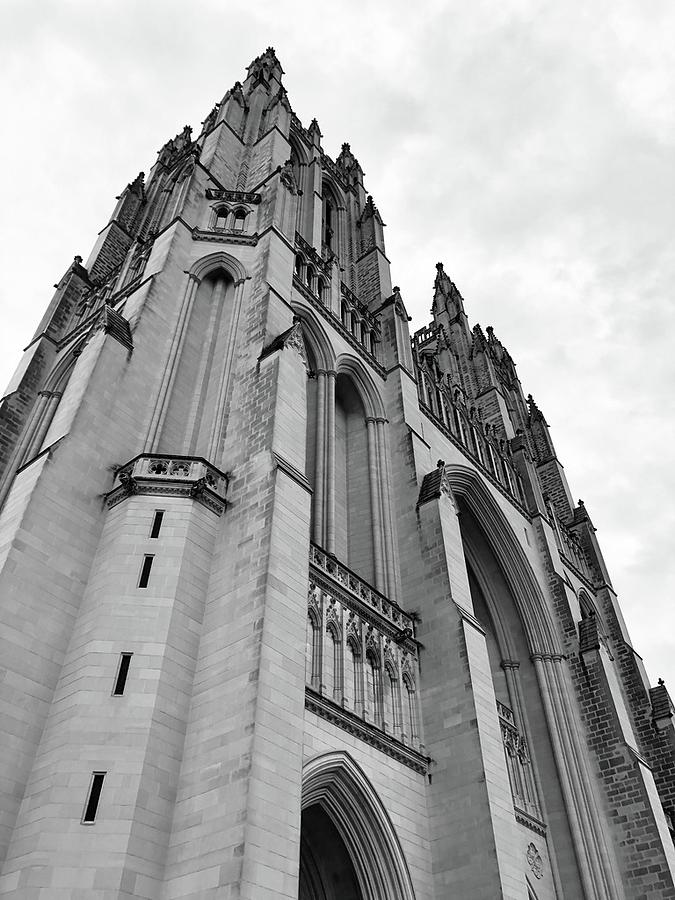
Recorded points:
528,145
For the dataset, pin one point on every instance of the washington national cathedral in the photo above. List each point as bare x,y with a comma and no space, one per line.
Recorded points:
295,603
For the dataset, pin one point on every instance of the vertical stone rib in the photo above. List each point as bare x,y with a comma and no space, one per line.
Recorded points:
578,754
374,472
221,406
319,485
387,518
329,479
192,445
587,878
169,374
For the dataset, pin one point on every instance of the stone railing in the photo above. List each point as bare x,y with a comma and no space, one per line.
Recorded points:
360,589
311,255
519,765
362,670
186,476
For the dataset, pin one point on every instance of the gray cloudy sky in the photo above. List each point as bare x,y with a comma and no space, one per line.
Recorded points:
528,145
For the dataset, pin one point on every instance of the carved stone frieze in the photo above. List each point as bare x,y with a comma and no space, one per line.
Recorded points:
171,476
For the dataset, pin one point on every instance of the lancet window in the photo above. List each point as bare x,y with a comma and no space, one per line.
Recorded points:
411,727
347,466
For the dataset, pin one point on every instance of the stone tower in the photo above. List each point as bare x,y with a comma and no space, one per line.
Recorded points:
293,605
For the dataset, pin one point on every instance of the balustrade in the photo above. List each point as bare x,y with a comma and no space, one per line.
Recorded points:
361,656
312,276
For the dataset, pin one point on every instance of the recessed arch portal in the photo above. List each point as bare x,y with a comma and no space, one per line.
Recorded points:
190,413
535,616
348,840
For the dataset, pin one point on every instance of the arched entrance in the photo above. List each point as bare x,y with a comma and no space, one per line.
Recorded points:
326,869
348,846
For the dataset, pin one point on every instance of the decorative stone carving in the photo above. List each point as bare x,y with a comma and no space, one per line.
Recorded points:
295,341
535,861
182,476
287,177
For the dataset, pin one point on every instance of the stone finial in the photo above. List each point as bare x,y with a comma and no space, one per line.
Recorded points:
210,120
287,176
536,414
446,295
349,165
264,64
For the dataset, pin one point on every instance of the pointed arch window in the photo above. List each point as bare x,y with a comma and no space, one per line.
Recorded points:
356,676
334,674
328,220
221,218
239,220
374,676
393,700
412,728
313,655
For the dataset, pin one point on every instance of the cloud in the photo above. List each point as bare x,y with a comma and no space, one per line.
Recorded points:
527,144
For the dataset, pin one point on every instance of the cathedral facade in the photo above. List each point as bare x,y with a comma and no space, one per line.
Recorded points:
295,603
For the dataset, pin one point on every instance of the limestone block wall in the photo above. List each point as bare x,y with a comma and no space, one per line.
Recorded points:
401,790
136,739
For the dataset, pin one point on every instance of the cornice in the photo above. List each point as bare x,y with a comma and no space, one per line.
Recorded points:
346,720
225,237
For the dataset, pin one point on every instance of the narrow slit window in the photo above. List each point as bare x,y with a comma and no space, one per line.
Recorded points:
157,523
91,807
145,571
122,673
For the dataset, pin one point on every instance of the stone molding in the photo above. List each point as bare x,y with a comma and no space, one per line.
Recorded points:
233,196
372,606
225,237
369,734
171,476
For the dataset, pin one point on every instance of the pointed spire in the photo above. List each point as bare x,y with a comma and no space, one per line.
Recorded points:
446,295
266,66
349,165
314,132
479,344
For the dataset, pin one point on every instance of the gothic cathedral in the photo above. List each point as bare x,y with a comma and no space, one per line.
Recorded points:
295,604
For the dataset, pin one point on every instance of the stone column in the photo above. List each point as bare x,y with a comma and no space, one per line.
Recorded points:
329,478
387,517
374,475
169,374
319,534
472,855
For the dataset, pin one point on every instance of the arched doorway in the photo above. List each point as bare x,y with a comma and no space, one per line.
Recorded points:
326,869
348,847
